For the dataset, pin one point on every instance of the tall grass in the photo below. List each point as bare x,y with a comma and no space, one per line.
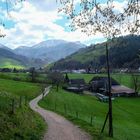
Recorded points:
24,123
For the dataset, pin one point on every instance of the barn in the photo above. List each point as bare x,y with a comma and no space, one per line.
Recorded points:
100,85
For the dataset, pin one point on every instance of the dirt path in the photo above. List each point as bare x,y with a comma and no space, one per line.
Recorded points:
58,127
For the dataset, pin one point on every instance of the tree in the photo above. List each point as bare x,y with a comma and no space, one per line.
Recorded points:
135,82
92,17
66,79
33,74
15,70
56,79
95,18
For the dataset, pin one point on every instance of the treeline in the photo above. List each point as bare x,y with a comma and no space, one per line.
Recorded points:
124,52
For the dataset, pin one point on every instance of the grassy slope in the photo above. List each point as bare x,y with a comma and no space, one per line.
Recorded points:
24,124
84,55
10,63
126,113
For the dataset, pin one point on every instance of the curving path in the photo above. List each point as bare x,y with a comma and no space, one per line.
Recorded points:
58,127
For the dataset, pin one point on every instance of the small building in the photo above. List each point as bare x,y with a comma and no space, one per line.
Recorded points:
74,85
79,71
77,82
121,90
100,85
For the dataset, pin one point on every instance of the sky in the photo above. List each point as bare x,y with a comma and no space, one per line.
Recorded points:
34,21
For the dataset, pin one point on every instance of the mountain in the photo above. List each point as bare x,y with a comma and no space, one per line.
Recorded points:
8,59
50,50
124,52
5,47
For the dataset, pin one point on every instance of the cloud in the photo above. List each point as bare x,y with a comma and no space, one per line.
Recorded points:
33,25
45,5
35,21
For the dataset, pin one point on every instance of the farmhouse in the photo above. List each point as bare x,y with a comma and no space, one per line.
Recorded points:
74,85
100,84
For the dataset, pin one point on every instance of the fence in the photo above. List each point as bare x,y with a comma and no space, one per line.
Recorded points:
18,103
68,111
11,104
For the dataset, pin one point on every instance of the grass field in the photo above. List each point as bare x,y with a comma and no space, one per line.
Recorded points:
82,108
21,76
124,79
24,124
10,63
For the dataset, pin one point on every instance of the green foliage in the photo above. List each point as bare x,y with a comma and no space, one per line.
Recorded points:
24,123
55,78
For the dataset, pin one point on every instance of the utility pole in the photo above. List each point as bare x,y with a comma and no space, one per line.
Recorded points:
109,94
108,91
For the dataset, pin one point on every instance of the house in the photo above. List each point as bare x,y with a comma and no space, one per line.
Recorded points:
79,71
120,90
100,84
77,82
74,85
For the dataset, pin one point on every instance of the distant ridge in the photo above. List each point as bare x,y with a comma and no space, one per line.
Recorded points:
50,50
5,47
124,53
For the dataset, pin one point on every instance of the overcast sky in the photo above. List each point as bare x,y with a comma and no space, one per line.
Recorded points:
34,21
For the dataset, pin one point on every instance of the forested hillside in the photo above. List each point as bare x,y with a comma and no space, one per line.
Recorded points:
124,52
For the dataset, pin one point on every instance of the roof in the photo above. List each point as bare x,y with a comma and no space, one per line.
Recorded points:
104,80
121,89
76,81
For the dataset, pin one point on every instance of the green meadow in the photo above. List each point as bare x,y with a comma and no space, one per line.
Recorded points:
83,110
23,124
22,76
10,63
89,113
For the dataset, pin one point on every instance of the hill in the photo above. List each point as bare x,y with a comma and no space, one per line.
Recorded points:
124,52
8,59
50,50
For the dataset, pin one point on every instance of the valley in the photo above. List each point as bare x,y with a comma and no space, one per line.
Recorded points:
38,55
84,110
70,70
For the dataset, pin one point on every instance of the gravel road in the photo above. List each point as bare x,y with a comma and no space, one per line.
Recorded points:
58,127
